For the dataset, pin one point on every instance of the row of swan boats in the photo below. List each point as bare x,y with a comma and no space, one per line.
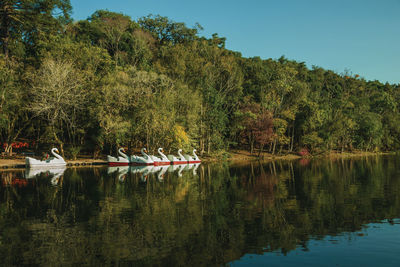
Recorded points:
145,159
122,160
144,171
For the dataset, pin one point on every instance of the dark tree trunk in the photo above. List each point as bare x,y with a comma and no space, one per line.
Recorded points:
251,142
261,150
208,143
292,140
274,147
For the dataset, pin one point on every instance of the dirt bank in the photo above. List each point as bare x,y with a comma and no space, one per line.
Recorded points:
13,163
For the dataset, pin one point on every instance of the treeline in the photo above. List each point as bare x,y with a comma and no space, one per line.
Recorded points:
107,81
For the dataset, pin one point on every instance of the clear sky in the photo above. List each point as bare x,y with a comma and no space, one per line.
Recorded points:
362,36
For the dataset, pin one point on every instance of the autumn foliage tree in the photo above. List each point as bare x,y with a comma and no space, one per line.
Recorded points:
263,131
257,125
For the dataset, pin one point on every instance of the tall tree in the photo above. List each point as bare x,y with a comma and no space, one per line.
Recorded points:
57,97
28,19
111,28
168,31
13,117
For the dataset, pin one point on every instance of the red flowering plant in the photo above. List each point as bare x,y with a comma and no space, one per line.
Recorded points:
304,152
8,148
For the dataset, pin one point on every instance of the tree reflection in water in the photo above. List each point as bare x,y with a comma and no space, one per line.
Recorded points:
209,215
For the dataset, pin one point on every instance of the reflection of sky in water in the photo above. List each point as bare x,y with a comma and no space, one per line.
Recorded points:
378,244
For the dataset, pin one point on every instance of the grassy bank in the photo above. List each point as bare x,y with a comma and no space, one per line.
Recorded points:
244,155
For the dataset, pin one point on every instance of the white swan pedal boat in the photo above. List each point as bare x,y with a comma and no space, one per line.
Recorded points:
192,159
122,160
145,160
55,161
163,160
177,160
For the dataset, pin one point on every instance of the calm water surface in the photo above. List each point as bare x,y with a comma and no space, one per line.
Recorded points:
307,213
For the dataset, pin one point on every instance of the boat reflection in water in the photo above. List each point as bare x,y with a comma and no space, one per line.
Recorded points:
54,172
121,170
193,167
159,172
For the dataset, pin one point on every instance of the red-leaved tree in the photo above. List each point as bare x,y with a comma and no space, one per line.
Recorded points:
257,125
263,129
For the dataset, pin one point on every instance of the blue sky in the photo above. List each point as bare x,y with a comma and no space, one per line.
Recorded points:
362,36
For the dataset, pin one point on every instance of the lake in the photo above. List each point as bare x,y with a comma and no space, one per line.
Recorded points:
341,212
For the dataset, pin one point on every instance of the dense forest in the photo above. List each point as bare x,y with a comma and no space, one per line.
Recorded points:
93,85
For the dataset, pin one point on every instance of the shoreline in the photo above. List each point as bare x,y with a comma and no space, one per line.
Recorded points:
20,163
232,156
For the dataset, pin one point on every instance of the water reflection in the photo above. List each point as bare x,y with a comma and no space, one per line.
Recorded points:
54,173
120,170
158,171
190,215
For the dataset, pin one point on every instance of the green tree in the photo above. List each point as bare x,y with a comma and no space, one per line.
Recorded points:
28,20
168,31
13,117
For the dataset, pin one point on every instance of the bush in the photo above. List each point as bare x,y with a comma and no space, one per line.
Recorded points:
73,151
